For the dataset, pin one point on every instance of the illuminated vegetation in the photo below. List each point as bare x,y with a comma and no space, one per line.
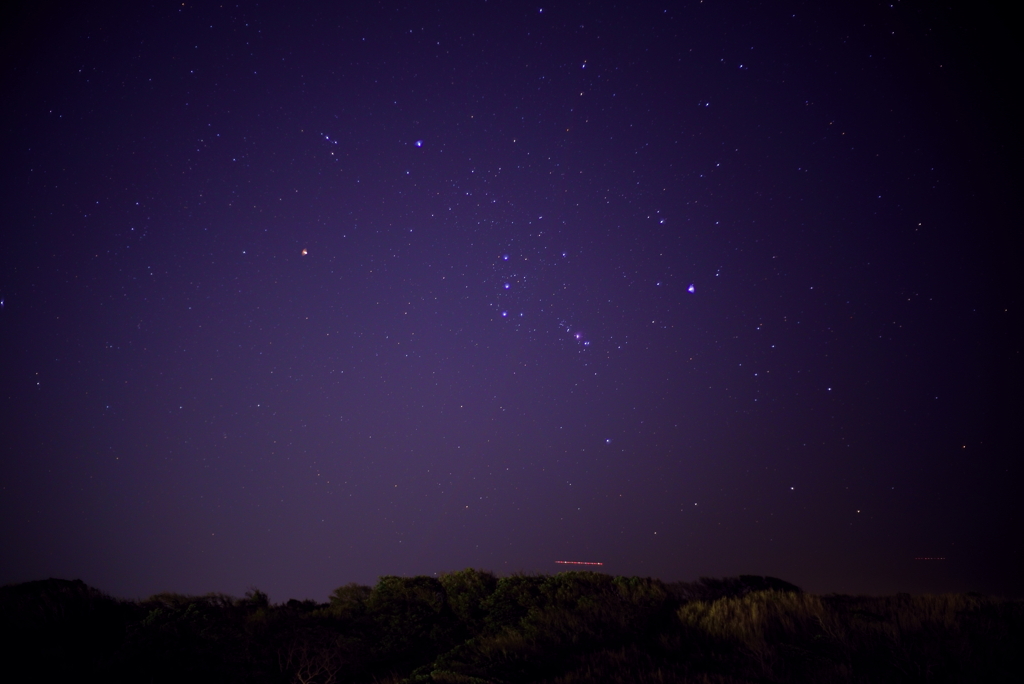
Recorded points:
472,627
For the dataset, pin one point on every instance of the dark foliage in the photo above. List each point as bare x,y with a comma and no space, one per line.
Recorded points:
472,627
61,628
712,589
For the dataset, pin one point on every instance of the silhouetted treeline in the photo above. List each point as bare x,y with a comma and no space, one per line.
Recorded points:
470,627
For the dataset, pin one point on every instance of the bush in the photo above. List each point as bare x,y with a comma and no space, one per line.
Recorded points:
469,627
466,591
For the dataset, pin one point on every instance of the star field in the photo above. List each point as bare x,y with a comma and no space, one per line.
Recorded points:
300,296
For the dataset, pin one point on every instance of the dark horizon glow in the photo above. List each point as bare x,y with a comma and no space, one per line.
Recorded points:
293,296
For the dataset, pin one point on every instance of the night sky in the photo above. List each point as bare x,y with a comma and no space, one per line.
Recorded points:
300,294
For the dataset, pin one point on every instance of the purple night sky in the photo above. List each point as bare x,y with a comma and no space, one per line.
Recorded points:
300,294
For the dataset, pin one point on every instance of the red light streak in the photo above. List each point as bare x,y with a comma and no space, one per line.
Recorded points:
578,563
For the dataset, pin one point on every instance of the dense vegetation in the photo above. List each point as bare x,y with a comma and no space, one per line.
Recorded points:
471,627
